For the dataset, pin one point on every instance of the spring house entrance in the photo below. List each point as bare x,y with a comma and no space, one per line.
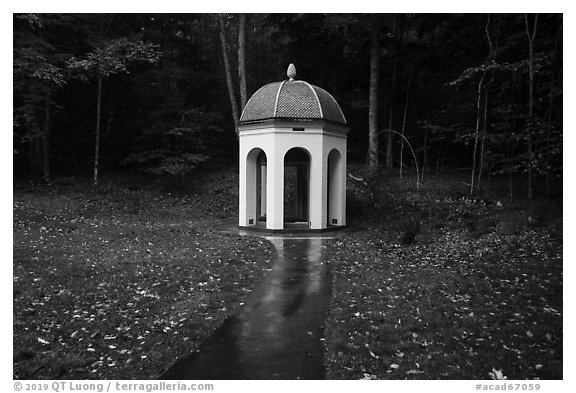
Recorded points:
297,186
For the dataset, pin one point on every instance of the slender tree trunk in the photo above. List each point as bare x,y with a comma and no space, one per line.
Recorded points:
484,130
390,139
476,133
510,183
413,155
97,147
425,154
404,125
485,124
228,71
242,61
531,37
46,139
373,159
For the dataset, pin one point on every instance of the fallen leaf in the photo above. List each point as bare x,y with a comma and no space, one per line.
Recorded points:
497,374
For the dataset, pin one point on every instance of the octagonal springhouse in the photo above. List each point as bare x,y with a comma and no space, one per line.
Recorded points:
292,158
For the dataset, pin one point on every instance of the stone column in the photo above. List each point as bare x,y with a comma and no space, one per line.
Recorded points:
318,189
242,189
333,188
337,188
247,189
275,191
343,185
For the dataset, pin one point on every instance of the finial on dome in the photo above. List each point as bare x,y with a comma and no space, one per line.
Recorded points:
291,72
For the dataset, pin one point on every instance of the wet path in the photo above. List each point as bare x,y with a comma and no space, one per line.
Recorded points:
277,333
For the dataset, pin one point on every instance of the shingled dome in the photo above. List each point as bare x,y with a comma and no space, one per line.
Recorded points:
292,99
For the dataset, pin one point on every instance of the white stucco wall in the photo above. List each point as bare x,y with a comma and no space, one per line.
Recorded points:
275,138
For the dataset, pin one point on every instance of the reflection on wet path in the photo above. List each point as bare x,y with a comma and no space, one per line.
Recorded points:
277,333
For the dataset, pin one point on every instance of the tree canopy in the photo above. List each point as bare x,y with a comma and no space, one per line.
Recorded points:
467,91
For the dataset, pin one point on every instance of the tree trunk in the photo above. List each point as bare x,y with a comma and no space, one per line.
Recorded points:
404,125
373,159
390,139
228,71
531,37
484,130
413,155
46,139
510,173
97,147
242,61
424,154
485,124
476,133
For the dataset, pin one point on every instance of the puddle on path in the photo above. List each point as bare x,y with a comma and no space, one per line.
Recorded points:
277,333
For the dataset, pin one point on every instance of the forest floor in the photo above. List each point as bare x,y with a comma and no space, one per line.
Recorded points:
435,285
120,281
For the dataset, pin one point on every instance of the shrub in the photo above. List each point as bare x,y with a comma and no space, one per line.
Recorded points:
409,234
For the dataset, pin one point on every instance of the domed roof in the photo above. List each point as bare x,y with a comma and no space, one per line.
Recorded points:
292,99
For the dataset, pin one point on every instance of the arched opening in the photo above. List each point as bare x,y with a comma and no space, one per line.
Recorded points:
335,189
297,186
261,168
255,188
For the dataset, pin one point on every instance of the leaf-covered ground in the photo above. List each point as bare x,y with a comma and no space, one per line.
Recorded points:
121,281
436,286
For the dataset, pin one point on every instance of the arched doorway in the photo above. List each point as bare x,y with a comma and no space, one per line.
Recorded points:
261,173
335,188
255,191
297,186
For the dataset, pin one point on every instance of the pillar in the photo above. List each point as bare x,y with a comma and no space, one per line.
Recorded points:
342,175
275,191
247,188
318,189
242,191
336,185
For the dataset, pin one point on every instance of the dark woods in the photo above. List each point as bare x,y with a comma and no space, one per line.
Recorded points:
162,93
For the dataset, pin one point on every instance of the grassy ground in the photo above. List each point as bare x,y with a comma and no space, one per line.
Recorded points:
435,286
119,282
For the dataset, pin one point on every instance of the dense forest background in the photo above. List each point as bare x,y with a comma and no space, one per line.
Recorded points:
162,93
